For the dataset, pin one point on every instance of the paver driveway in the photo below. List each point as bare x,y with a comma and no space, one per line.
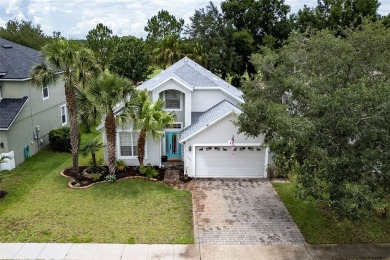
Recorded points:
232,211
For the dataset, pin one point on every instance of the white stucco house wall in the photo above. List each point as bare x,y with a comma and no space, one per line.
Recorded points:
205,108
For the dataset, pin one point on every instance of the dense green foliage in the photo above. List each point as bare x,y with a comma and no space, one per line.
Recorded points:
101,41
266,22
60,139
24,33
332,130
336,14
132,59
210,30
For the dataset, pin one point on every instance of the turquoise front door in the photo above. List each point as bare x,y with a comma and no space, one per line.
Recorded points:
172,145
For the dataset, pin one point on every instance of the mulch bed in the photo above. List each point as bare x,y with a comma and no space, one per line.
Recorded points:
80,179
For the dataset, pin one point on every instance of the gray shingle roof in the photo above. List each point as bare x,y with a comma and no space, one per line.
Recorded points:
9,109
192,74
203,119
17,61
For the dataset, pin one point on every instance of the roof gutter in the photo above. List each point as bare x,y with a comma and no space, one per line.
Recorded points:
25,79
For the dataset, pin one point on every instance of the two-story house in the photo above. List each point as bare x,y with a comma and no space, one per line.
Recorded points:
27,114
204,135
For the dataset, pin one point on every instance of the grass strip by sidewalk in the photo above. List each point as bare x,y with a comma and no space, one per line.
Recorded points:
319,226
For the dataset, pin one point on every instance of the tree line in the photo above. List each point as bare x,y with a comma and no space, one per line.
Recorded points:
221,38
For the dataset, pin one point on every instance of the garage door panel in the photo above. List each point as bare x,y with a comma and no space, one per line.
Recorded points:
219,162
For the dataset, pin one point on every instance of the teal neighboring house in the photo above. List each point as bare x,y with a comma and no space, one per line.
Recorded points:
27,114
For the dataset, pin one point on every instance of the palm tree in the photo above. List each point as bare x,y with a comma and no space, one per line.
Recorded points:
66,60
198,53
168,51
92,147
107,91
89,113
149,117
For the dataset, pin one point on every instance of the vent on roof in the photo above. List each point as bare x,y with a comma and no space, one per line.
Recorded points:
2,73
6,46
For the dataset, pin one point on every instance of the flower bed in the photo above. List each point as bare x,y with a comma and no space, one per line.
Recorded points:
83,178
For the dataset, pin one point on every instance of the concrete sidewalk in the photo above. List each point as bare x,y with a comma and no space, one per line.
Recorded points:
122,251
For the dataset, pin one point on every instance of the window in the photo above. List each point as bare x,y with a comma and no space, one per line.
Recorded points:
172,99
45,92
64,119
128,143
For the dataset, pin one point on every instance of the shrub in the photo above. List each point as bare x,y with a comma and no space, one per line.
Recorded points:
111,178
60,139
121,165
149,171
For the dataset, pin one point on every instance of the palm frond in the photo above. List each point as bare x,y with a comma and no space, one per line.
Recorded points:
42,75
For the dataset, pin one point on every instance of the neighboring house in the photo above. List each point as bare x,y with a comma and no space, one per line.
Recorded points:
202,135
27,114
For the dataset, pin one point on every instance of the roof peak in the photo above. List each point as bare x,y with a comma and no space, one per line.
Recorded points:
194,75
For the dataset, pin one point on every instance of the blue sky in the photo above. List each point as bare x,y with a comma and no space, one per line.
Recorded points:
74,18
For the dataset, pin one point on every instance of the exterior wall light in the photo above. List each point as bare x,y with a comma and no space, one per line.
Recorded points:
190,148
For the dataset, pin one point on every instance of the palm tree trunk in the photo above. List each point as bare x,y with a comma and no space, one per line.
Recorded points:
74,130
94,159
141,146
111,140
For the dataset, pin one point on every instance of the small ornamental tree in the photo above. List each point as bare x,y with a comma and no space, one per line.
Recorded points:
92,147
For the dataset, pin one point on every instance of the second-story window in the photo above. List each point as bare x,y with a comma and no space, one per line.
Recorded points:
172,99
45,92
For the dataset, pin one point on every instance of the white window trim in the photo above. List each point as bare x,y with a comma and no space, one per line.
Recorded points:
118,146
66,115
48,93
181,101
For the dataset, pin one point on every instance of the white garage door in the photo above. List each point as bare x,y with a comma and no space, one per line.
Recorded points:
220,161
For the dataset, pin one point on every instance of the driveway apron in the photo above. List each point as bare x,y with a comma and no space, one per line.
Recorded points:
241,212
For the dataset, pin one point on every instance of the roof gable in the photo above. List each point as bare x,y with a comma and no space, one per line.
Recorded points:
194,76
207,118
16,61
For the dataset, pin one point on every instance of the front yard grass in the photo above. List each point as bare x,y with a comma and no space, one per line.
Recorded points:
40,207
319,226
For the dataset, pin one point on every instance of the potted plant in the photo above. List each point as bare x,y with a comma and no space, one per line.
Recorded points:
120,165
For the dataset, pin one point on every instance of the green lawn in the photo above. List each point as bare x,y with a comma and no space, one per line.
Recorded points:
41,208
320,227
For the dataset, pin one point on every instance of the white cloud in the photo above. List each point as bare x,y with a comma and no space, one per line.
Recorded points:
74,18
